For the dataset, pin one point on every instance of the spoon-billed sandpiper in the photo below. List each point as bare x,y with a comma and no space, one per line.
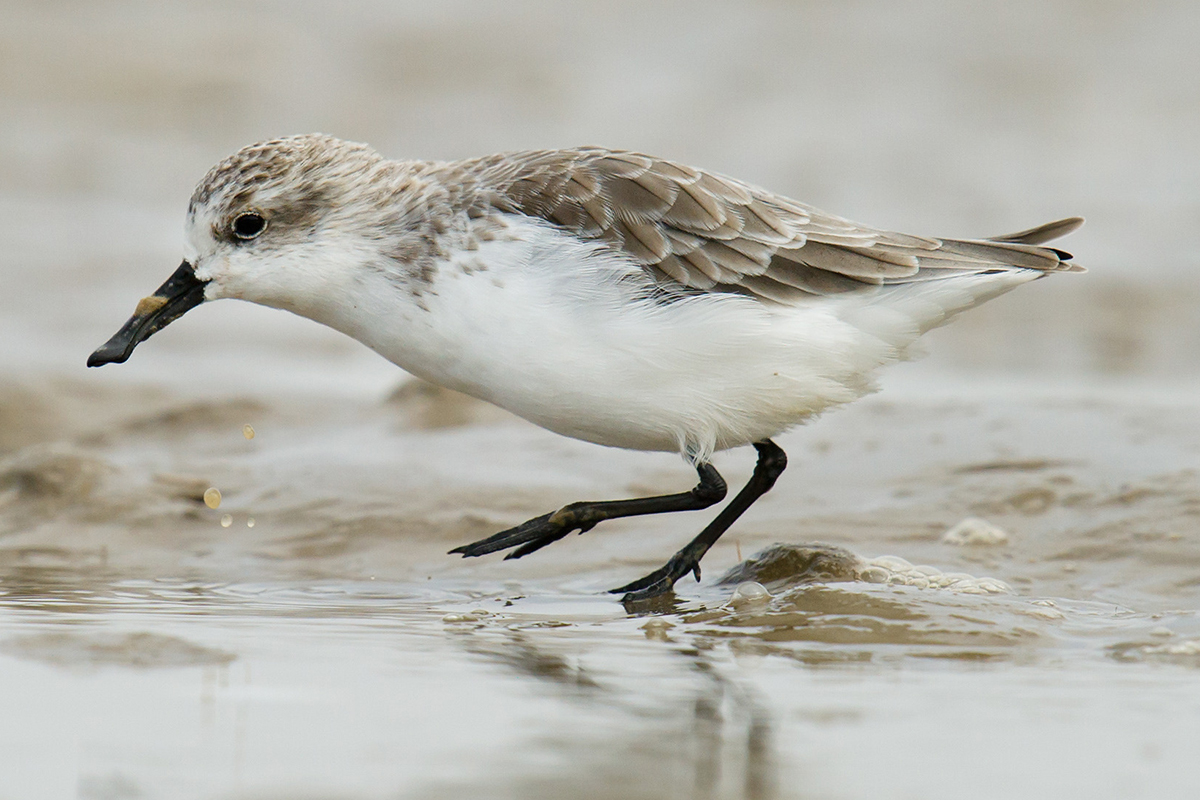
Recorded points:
605,295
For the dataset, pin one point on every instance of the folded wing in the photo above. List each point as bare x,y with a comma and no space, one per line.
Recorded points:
709,232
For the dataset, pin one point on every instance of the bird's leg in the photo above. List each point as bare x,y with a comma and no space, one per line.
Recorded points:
541,531
771,463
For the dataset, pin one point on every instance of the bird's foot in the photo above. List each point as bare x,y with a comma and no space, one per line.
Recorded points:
662,580
534,534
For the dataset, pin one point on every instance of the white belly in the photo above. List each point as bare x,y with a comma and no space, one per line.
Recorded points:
562,333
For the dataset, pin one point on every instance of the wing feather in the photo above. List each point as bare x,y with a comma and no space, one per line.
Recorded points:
710,232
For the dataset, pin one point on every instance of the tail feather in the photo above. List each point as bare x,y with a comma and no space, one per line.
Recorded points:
1042,233
1022,249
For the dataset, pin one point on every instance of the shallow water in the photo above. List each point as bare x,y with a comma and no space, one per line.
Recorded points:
333,650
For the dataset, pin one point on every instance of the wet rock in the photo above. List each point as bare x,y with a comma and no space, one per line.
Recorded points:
795,563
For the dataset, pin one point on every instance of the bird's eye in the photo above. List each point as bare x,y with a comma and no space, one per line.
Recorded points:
249,225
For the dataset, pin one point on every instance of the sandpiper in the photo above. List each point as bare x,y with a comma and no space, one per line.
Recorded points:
606,295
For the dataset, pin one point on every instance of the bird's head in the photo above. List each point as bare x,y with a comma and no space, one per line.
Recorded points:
279,223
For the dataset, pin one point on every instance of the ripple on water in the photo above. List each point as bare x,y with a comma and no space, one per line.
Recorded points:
823,604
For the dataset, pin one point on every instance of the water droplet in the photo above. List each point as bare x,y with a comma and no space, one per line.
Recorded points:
226,520
212,498
248,431
250,522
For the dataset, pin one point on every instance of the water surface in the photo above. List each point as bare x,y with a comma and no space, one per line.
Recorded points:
334,650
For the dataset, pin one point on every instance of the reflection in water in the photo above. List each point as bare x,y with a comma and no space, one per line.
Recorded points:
516,649
544,696
692,732
733,735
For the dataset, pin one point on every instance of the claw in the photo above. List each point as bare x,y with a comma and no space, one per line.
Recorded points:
528,537
537,544
657,588
659,582
531,536
529,531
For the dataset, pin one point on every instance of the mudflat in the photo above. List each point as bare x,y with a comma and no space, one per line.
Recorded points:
989,572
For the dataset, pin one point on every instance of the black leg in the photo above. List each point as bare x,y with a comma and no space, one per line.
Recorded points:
541,531
771,463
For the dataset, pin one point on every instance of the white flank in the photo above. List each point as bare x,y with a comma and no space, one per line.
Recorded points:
568,335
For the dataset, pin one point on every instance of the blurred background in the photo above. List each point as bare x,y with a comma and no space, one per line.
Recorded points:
924,117
310,638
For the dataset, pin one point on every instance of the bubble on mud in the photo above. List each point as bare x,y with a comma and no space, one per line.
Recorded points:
792,565
248,431
212,497
892,563
899,572
1190,647
1185,651
250,522
981,586
749,594
873,575
975,531
226,520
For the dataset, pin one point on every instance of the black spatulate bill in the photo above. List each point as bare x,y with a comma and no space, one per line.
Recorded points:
181,292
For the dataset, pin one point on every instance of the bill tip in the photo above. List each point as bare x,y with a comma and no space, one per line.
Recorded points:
105,355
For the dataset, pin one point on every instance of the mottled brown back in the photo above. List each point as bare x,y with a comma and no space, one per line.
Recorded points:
707,231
